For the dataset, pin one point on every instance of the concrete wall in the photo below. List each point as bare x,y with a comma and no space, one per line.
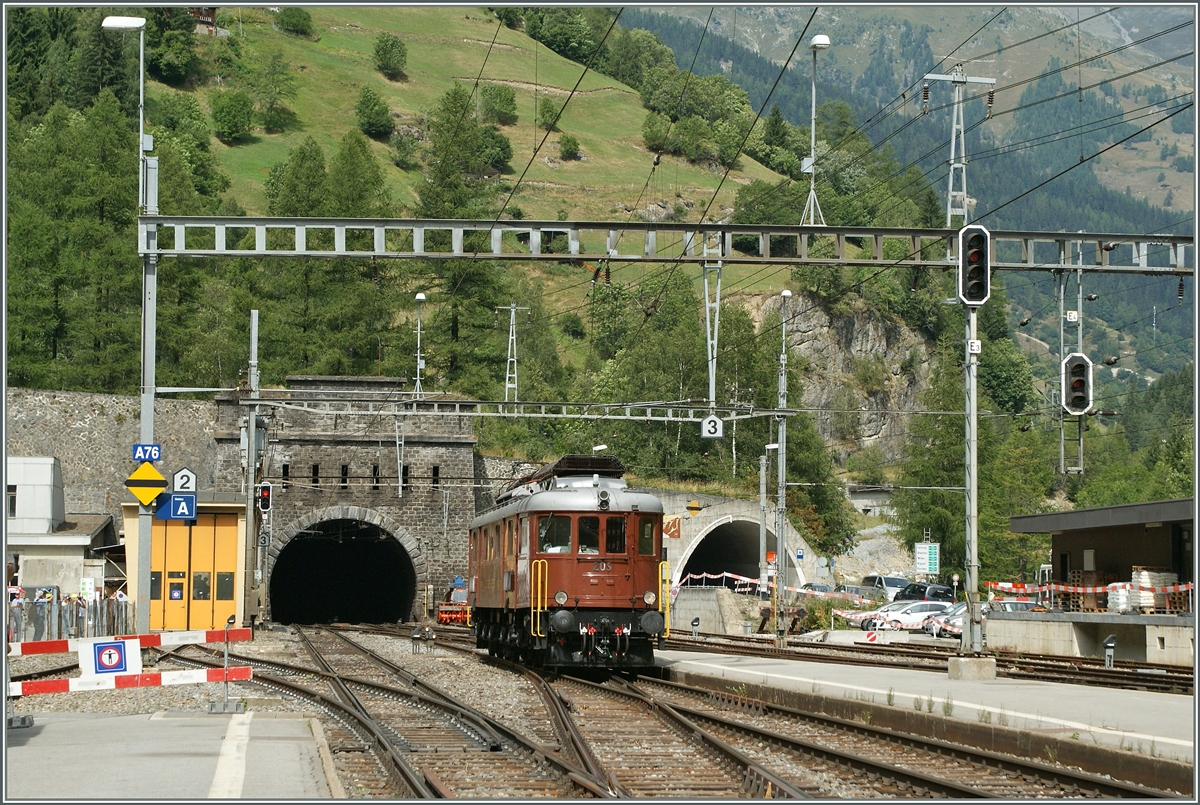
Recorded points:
39,490
699,603
1167,639
61,566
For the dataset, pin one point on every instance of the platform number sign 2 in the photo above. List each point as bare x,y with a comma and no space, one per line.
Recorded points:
712,428
184,481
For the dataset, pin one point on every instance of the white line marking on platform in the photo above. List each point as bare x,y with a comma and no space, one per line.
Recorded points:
231,763
1036,718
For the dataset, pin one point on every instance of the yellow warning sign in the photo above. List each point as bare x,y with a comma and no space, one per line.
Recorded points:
146,483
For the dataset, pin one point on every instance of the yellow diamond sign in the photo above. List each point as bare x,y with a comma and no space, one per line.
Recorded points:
145,483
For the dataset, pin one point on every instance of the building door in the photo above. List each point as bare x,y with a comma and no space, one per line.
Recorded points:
193,567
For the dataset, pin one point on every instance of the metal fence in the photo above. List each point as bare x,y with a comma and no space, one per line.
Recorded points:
59,619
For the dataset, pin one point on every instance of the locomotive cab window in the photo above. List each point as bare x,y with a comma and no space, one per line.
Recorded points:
645,536
614,535
589,535
554,534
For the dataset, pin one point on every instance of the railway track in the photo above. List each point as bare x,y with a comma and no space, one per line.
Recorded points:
1041,667
418,736
802,746
652,751
829,757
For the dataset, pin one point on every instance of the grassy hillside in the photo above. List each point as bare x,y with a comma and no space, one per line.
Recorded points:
446,45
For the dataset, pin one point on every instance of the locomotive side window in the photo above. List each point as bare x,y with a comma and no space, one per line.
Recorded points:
554,534
645,536
525,537
589,535
614,535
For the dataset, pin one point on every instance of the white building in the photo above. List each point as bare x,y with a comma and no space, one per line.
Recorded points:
52,547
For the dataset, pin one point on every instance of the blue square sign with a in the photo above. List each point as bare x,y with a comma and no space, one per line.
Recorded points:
108,656
175,506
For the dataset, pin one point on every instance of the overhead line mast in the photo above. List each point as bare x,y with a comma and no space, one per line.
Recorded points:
956,200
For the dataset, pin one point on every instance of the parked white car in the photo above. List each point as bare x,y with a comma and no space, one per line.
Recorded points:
935,624
865,619
909,615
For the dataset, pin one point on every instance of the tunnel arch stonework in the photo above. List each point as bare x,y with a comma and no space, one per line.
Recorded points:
360,514
716,513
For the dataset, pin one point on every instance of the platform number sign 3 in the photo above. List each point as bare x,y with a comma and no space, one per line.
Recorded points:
712,428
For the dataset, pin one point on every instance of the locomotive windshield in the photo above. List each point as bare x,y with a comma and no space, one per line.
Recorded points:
614,535
645,536
554,534
589,535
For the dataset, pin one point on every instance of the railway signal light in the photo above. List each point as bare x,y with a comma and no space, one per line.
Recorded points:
974,265
264,497
1076,384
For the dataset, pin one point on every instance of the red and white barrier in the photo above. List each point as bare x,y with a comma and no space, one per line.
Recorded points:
1066,588
238,673
187,638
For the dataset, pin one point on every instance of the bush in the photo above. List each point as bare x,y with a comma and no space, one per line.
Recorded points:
404,147
656,130
232,113
390,55
498,103
568,147
373,116
547,111
572,325
496,149
295,21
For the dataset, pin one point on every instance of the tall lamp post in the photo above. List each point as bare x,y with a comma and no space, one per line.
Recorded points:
420,360
812,210
781,542
149,319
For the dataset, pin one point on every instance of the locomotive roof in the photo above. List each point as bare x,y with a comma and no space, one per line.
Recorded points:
604,466
572,493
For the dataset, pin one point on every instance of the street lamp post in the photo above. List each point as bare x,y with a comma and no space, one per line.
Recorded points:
149,320
812,210
420,360
781,456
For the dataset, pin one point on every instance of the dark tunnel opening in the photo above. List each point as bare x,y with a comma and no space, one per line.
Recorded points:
343,571
728,548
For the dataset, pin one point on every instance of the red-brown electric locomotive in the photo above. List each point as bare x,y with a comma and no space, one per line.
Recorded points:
565,571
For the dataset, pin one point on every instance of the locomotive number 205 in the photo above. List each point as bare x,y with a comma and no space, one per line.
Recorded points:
600,567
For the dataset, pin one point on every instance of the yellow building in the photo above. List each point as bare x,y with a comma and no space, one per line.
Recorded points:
198,568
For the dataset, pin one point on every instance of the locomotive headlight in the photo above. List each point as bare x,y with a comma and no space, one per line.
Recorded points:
649,597
560,597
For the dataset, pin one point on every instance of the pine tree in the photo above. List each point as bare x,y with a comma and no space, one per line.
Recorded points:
373,116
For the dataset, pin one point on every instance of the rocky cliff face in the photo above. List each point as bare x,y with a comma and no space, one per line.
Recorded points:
859,371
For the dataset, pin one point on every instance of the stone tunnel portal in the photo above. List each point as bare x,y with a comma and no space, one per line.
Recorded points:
729,548
343,571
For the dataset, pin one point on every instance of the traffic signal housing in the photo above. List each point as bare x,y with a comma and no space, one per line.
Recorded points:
974,265
264,497
1076,384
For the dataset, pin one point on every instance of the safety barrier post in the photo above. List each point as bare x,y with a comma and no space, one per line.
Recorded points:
537,595
664,596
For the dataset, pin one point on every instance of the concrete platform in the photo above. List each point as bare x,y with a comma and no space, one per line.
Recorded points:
1158,725
171,755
